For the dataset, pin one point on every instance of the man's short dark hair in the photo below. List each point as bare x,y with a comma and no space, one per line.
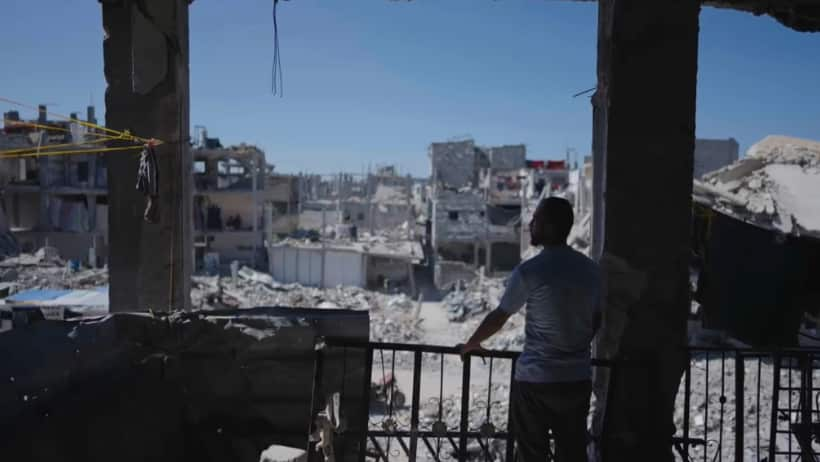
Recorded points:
557,212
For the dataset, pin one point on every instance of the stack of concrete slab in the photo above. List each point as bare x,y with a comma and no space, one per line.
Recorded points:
776,186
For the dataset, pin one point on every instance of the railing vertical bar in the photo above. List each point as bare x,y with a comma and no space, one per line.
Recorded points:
687,398
740,373
465,408
510,450
775,405
706,410
722,402
757,405
790,366
368,374
318,357
414,409
806,402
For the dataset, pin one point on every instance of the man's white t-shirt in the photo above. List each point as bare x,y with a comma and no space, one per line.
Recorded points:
562,290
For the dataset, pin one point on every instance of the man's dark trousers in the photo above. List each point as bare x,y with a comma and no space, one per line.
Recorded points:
559,407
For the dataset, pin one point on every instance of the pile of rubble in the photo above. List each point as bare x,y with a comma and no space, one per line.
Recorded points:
777,186
393,317
478,296
46,270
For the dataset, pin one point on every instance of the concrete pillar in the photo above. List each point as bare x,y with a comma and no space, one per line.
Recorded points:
644,133
146,68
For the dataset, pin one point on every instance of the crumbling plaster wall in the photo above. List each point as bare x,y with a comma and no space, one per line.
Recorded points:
458,217
198,387
453,164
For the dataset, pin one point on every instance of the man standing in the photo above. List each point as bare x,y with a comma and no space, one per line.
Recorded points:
562,290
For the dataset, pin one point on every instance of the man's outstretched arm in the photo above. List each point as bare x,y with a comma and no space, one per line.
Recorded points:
491,324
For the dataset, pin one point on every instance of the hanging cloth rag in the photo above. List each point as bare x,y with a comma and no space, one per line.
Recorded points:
148,182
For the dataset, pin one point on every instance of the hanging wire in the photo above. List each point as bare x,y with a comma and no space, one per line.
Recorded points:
276,83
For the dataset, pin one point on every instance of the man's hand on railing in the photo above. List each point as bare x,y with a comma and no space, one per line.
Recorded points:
470,347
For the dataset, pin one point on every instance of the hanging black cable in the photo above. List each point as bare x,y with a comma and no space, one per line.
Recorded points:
276,84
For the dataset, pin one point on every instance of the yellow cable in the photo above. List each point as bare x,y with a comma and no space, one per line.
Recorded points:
44,149
51,127
81,122
58,153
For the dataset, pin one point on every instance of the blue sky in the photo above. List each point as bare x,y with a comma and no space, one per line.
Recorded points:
375,81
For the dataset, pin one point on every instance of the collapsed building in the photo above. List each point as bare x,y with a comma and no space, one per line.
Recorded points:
479,199
757,242
473,225
372,263
239,204
58,201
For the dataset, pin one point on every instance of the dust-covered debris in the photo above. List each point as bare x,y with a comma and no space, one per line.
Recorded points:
478,296
46,270
391,316
777,185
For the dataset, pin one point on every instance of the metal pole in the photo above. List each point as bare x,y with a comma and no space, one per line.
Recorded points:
465,409
414,407
740,372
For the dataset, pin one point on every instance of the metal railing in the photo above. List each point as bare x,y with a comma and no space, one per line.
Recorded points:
396,430
749,405
457,426
732,404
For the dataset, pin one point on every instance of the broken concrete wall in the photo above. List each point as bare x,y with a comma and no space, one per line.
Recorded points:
458,217
454,164
199,387
234,245
508,157
448,273
379,269
70,246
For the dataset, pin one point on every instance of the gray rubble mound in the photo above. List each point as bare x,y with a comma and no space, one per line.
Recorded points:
776,186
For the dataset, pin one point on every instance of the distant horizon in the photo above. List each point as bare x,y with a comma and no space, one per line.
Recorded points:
377,82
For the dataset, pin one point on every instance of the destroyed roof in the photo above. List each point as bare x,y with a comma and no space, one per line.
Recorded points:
776,186
377,247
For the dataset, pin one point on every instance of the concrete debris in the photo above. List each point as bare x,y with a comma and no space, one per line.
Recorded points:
278,453
479,296
776,186
391,315
46,270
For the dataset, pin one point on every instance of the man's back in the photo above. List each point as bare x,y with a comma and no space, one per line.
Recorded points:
561,289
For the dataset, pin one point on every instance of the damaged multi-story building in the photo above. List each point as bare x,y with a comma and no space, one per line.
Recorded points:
239,203
55,200
475,208
366,233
